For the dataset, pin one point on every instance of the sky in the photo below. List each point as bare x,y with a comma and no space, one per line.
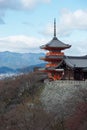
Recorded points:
25,25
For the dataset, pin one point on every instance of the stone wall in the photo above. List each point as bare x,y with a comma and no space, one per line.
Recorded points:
61,97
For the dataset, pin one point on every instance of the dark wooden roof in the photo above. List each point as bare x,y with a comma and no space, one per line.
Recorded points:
85,69
55,43
76,61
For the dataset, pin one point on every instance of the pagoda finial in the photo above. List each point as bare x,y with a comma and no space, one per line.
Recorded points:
54,27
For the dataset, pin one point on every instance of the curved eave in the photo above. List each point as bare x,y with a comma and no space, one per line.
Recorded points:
42,47
45,47
55,44
59,64
69,64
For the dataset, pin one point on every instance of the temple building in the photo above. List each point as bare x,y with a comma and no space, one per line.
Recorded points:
60,66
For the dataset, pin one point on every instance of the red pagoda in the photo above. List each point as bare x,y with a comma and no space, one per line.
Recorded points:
54,56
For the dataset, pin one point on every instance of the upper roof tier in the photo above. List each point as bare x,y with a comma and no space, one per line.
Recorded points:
55,43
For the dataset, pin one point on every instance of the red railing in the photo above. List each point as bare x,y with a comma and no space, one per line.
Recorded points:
51,65
55,53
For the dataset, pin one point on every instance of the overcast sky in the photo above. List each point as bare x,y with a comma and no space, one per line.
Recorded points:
27,24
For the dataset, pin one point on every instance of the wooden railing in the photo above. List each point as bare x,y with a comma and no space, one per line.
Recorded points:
55,54
51,65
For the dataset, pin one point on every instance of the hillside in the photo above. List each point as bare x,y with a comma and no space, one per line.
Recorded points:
19,60
67,101
8,70
27,103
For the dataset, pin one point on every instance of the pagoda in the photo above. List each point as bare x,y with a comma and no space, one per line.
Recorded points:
54,56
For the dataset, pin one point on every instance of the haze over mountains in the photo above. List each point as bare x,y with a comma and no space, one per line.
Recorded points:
11,61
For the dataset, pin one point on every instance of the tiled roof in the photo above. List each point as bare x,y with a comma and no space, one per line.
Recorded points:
76,62
56,43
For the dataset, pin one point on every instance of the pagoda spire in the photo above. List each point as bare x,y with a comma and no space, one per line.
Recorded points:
54,27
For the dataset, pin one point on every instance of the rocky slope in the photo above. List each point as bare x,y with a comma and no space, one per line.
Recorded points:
64,99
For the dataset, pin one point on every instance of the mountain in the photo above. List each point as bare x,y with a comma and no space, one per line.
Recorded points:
7,70
30,68
19,60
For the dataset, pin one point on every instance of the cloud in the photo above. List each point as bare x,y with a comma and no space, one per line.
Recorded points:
1,17
2,21
78,48
82,47
20,4
21,43
29,4
26,44
73,20
68,22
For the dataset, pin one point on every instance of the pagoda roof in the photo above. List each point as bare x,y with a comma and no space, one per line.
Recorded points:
55,43
76,61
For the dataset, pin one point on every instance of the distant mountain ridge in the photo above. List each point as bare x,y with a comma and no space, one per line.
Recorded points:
4,70
15,60
30,68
